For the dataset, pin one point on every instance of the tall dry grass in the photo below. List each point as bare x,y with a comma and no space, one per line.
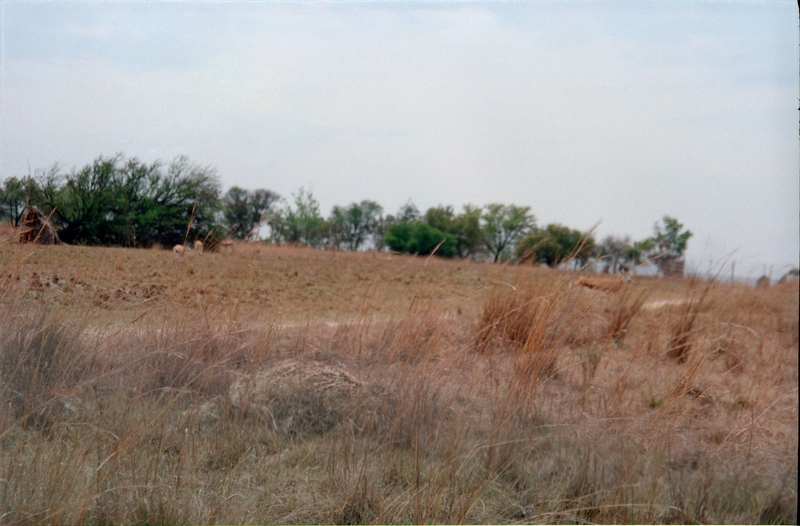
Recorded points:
547,405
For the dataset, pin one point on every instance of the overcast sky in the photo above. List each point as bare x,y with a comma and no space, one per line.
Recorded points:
594,111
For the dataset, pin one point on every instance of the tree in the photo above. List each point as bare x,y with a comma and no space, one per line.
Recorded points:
261,205
668,242
325,236
467,229
117,202
140,219
420,238
408,213
792,275
379,232
538,247
13,196
614,249
352,226
244,211
83,202
440,217
410,234
398,236
464,227
300,224
236,212
634,253
46,185
425,239
165,204
504,225
555,245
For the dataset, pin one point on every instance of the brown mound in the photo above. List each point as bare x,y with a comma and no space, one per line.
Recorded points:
37,228
325,380
298,398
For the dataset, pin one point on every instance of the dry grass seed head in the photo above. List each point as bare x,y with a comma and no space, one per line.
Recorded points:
683,328
41,359
621,312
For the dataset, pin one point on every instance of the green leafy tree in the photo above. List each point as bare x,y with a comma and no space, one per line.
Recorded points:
13,196
117,202
440,217
167,203
420,238
539,247
670,239
84,202
556,244
352,226
408,213
244,211
504,225
613,250
443,219
326,237
396,230
138,217
379,232
299,224
236,211
47,184
398,236
262,202
425,239
634,253
668,243
465,227
468,231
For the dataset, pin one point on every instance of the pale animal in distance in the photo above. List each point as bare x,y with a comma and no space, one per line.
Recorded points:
198,246
227,243
178,249
603,284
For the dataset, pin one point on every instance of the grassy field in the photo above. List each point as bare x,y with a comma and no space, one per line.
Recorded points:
290,385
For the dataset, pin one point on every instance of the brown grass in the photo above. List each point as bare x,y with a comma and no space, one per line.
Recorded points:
284,385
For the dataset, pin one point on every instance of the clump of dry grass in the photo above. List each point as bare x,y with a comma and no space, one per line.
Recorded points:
41,359
299,398
621,313
680,342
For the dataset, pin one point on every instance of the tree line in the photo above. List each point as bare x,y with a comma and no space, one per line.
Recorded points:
118,201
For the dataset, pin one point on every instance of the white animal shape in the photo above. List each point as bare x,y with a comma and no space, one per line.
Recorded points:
178,249
198,246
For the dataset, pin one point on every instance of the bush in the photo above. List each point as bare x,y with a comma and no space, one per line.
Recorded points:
398,236
555,245
420,238
114,201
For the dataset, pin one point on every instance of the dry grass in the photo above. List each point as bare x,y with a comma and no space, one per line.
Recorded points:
283,385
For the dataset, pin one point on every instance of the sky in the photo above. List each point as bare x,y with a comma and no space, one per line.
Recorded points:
606,114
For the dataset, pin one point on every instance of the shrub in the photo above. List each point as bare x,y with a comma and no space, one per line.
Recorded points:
398,236
420,238
114,201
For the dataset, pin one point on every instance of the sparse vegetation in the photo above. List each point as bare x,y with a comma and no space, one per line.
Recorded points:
124,202
277,384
